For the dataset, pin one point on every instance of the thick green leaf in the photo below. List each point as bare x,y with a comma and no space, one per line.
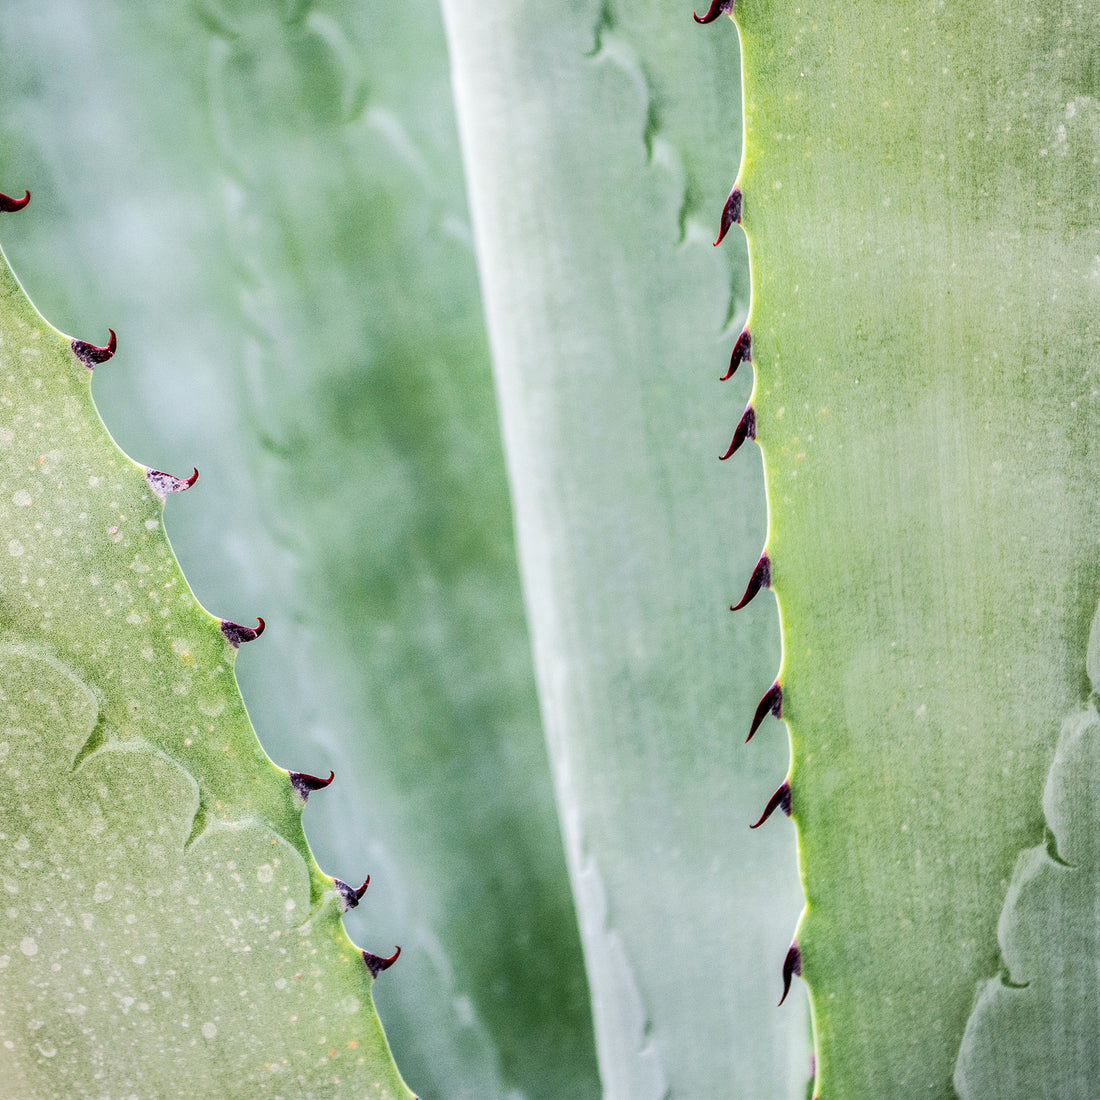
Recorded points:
1033,1030
609,319
268,207
166,928
920,197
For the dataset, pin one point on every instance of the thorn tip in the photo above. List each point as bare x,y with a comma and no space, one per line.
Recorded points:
771,703
781,799
91,355
746,429
792,965
352,895
8,205
731,213
761,578
305,784
235,634
717,8
162,484
742,353
376,963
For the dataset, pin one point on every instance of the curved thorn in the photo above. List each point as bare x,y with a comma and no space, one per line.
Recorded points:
162,484
731,213
352,895
235,633
781,799
772,703
91,355
746,429
761,578
305,784
376,964
742,353
8,205
792,965
717,8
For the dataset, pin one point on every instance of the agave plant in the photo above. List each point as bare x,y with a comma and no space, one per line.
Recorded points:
917,191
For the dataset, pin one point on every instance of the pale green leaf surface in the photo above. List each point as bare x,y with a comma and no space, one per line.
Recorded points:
270,212
607,310
920,189
1033,1030
165,929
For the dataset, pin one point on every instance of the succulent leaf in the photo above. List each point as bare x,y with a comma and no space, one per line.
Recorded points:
920,205
1033,1029
590,166
167,929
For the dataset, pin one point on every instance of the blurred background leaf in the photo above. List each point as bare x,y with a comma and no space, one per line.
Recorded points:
266,202
601,142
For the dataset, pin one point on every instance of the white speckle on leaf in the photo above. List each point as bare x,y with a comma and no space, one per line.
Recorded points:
266,873
21,498
15,548
211,707
209,1030
103,892
28,946
47,462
